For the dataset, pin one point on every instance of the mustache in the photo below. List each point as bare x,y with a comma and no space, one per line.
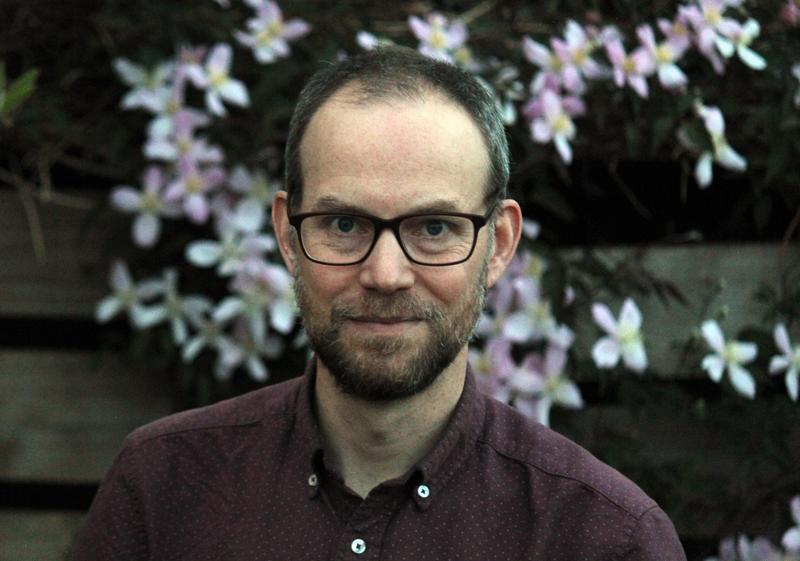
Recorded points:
387,306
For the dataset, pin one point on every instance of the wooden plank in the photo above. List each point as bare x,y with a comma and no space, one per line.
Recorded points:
739,268
60,285
37,536
63,415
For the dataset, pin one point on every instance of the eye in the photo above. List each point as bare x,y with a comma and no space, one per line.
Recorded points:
434,228
343,224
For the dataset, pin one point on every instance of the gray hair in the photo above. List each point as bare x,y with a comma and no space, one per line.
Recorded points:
399,72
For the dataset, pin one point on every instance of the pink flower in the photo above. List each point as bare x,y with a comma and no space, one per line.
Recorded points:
623,339
217,83
148,204
664,55
192,186
632,68
575,51
268,34
438,37
493,367
539,383
555,125
788,360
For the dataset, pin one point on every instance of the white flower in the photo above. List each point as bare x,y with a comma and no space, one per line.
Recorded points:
664,56
624,337
737,38
796,74
791,539
257,191
127,296
214,79
729,355
789,360
150,90
174,308
722,153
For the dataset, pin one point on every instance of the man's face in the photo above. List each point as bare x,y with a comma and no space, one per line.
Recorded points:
386,328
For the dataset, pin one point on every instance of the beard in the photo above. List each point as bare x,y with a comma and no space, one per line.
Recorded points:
381,367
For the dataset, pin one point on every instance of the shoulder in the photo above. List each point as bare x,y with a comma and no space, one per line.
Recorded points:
239,412
559,462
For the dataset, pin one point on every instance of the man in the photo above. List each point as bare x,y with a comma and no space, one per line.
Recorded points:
394,224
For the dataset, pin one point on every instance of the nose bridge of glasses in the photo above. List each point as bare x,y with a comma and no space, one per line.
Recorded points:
393,225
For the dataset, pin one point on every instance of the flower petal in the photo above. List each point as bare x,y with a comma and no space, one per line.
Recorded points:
713,335
635,357
781,336
630,315
282,316
204,253
126,198
703,171
146,229
602,317
107,308
742,381
714,365
235,92
605,352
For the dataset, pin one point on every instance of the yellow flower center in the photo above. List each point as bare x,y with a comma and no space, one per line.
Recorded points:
194,184
562,124
664,53
270,33
217,78
438,39
628,66
713,15
150,203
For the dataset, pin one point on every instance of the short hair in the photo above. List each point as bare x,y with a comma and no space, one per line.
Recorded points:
399,72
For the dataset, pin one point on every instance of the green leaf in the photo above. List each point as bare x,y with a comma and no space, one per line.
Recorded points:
19,90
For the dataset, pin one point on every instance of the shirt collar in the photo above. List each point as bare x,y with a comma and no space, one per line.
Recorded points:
434,471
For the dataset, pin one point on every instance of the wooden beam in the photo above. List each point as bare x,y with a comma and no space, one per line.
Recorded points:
63,415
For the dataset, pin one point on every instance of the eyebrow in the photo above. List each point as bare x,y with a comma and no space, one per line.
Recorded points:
331,203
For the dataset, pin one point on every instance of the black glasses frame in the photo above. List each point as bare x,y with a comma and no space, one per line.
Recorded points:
393,224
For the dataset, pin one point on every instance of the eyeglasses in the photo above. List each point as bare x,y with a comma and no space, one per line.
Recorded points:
444,238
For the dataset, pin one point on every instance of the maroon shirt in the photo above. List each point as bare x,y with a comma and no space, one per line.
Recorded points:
245,480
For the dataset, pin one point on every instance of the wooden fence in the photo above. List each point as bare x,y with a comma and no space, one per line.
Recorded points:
65,407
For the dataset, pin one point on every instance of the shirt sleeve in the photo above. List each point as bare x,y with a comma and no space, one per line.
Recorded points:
655,539
114,528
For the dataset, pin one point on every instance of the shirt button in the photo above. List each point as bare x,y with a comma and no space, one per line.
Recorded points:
423,491
312,480
358,546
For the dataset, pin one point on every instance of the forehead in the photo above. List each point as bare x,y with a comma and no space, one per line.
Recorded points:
389,155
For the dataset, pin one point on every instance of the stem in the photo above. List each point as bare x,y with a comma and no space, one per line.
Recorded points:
26,191
477,11
638,206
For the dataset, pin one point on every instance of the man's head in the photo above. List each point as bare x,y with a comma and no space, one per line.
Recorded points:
384,324
399,73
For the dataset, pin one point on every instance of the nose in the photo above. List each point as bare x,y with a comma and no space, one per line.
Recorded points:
387,269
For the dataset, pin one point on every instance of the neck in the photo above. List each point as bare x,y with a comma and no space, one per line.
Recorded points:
372,442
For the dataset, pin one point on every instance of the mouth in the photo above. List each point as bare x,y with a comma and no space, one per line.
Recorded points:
384,325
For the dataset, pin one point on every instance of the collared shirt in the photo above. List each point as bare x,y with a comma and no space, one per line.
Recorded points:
246,480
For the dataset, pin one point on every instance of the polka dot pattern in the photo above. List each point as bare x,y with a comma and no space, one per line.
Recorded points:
246,480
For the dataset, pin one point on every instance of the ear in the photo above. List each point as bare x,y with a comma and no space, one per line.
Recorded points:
280,222
507,232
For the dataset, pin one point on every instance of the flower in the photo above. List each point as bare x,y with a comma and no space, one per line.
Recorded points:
796,74
742,549
535,320
722,153
549,63
575,53
555,125
631,68
174,308
730,355
191,187
493,366
736,37
214,79
539,383
172,138
789,360
127,295
791,538
664,56
245,350
624,337
269,35
148,204
438,37
150,90
231,252
260,287
257,191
